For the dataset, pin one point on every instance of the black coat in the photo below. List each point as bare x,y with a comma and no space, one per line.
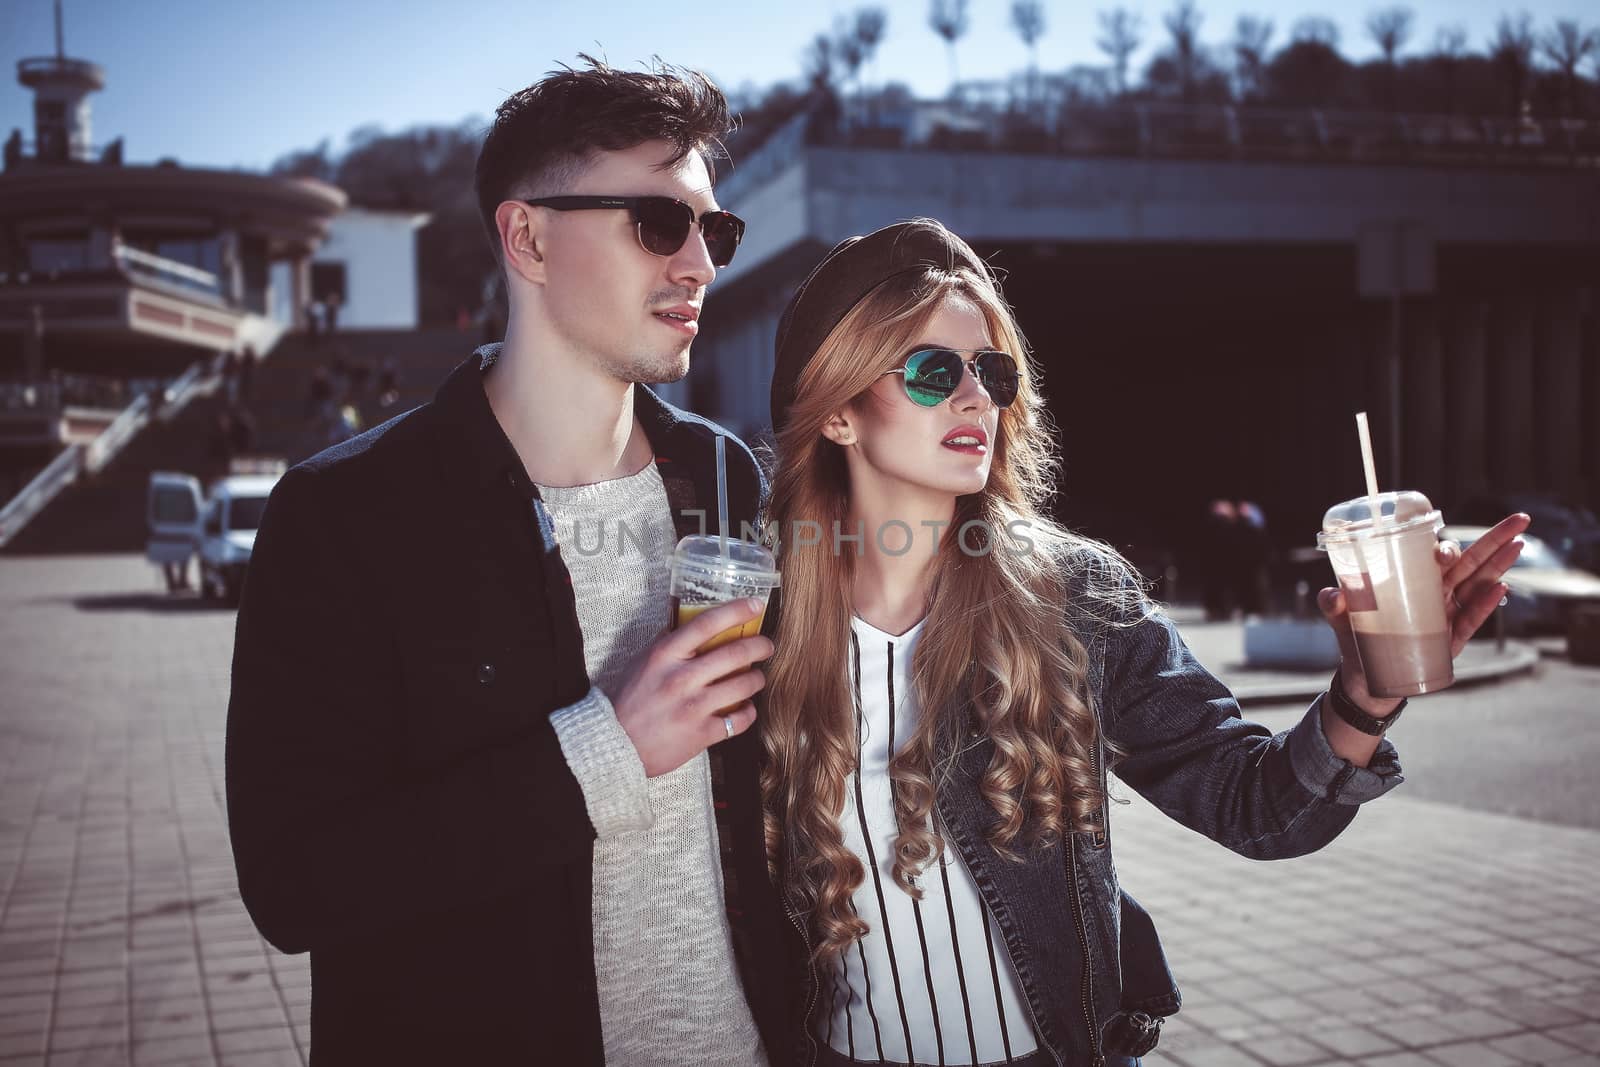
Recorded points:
398,802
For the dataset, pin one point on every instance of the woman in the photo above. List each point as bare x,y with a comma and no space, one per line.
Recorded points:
954,673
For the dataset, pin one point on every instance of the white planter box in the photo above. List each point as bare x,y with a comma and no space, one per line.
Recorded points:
1304,644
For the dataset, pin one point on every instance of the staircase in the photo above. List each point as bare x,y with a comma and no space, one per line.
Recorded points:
279,397
104,511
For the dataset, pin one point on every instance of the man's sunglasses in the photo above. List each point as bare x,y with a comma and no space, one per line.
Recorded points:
663,223
932,375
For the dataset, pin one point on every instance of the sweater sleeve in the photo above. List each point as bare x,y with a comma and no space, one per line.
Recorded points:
607,766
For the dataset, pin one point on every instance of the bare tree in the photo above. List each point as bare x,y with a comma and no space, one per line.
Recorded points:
1390,29
1251,35
819,63
1317,30
848,51
1511,48
949,20
1450,42
1567,45
1027,18
1183,25
1119,39
869,28
1449,48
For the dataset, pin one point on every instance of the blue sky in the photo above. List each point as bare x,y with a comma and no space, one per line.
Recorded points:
233,84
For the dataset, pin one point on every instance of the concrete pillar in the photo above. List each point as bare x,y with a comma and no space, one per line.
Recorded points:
1511,410
1559,405
1423,420
1466,337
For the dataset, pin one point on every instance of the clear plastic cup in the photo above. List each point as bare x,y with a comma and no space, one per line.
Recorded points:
1394,590
703,576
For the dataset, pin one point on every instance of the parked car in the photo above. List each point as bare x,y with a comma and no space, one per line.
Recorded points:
1570,529
1544,589
172,517
223,532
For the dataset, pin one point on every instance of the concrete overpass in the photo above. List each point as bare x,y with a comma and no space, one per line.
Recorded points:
1208,326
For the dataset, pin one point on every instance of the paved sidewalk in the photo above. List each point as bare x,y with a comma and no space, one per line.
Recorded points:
1427,937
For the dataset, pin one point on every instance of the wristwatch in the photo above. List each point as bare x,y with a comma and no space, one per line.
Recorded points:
1347,710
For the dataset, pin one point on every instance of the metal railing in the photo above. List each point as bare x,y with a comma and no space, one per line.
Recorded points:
138,261
1159,130
115,437
90,458
37,494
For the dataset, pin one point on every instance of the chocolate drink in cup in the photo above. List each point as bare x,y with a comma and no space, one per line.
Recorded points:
1393,590
705,576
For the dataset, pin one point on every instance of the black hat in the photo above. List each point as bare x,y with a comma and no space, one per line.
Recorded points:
855,267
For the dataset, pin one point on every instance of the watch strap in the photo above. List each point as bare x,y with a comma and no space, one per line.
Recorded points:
1352,715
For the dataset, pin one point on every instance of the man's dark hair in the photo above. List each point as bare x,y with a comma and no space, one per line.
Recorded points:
544,136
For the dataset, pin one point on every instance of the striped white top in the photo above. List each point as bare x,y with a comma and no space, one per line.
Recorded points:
931,982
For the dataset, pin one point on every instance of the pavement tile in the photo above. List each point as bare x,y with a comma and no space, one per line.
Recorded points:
1220,1016
30,1043
1535,1013
1532,1048
247,1019
1295,980
1352,1041
1287,1051
1563,967
24,1003
88,1037
1286,1008
90,996
272,1039
1399,1059
1416,1032
1585,1036
1240,989
21,968
1407,966
1477,1023
165,1051
1471,1055
1460,985
111,1013
249,1000
1518,952
99,1056
173,1024
278,1058
98,976
25,1022
1218,1056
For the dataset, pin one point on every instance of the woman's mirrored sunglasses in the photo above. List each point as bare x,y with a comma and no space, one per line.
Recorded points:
662,222
932,375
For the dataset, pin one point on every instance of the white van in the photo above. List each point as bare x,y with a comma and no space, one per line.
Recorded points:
221,526
172,516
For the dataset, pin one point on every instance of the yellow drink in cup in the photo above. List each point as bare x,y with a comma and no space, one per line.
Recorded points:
683,614
706,573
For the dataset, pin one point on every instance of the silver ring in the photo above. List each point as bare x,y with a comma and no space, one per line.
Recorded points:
727,722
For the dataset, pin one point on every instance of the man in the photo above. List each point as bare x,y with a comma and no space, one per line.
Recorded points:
466,769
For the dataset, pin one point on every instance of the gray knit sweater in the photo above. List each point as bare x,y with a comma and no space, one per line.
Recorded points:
663,951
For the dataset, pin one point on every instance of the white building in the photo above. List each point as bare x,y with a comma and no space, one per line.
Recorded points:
369,262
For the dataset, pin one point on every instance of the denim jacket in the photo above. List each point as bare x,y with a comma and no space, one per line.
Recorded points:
1092,968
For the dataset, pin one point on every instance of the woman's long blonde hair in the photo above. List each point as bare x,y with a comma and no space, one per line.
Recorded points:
983,663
